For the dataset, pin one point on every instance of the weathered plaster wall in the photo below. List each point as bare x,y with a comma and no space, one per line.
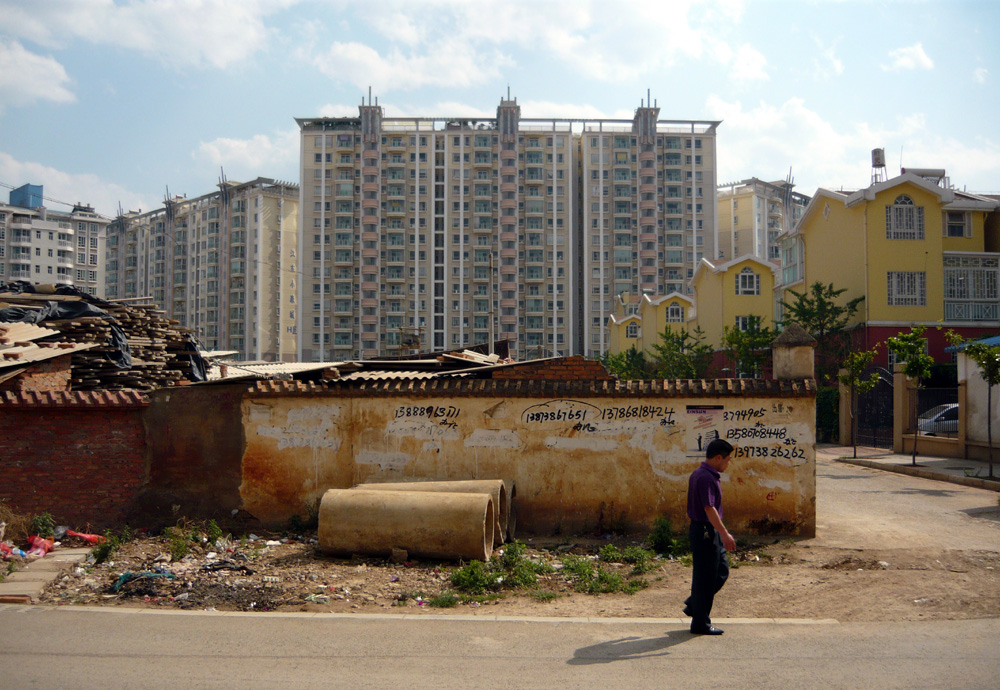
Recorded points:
580,463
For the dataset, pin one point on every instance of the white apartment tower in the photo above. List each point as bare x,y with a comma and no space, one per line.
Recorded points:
223,264
40,245
752,213
441,232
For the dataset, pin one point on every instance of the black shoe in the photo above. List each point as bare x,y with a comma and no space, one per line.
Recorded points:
710,630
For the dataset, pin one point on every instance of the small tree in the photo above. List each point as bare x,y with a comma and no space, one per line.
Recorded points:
681,355
630,364
987,358
855,364
748,348
911,349
819,314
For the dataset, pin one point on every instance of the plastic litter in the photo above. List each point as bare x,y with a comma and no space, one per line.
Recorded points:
318,598
39,546
127,577
91,538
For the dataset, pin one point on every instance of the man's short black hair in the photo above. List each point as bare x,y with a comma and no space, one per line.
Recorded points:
718,447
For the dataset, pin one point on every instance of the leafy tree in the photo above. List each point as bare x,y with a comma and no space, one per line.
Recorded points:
748,348
681,355
817,311
911,349
855,365
630,364
987,358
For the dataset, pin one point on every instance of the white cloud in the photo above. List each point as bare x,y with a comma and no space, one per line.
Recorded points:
766,140
218,33
447,63
72,188
980,74
827,64
261,155
26,77
911,57
450,43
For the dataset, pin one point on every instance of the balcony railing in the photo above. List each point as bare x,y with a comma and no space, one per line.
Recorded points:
985,310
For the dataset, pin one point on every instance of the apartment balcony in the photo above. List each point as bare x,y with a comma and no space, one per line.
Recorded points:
370,319
647,205
647,253
370,186
508,253
508,286
508,237
647,189
507,170
369,219
343,310
369,285
395,278
396,211
508,156
971,310
64,280
370,170
65,244
20,225
508,187
647,270
369,204
508,219
647,222
647,156
65,261
20,273
511,319
507,204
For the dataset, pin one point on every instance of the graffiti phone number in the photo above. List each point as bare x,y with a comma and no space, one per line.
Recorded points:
636,412
787,453
431,411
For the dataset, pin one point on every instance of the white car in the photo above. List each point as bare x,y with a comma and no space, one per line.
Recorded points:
940,420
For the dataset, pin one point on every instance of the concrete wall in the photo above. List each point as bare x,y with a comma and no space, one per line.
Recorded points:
195,441
584,457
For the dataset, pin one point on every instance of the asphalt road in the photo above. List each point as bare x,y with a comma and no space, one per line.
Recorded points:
88,648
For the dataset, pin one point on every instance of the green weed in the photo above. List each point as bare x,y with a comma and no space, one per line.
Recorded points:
444,600
544,596
42,525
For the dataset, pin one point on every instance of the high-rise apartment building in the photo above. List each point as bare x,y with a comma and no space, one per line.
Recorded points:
437,233
40,245
752,213
223,264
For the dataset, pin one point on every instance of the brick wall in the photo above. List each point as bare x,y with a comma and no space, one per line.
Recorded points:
50,375
79,456
576,368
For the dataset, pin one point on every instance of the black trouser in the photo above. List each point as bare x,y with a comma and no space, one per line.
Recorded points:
709,572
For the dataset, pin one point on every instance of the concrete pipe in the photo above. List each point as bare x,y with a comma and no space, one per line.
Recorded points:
495,487
427,525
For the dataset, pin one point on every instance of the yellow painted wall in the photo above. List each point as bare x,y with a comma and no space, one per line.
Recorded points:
618,341
834,241
719,305
576,462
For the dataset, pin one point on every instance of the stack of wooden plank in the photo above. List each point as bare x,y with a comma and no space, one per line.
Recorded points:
157,344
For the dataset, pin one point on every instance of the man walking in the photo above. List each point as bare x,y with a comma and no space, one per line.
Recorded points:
709,537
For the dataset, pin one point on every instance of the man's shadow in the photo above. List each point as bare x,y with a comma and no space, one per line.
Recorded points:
628,648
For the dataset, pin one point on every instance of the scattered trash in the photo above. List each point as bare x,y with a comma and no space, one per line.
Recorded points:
229,565
271,579
90,538
272,542
39,546
318,598
127,577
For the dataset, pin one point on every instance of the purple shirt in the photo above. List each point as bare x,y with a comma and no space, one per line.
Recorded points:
704,490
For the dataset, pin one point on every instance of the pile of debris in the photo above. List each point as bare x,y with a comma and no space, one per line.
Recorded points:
131,346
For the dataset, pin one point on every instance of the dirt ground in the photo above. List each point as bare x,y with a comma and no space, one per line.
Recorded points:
779,579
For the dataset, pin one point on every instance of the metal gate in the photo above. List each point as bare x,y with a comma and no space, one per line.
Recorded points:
875,411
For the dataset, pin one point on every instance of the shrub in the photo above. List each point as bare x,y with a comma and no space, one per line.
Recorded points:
663,541
43,525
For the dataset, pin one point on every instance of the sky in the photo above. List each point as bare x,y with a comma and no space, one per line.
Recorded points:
113,103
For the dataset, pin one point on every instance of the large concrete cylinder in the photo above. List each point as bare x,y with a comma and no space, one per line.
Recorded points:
494,487
426,525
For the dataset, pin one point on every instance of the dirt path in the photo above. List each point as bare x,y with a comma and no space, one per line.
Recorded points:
888,547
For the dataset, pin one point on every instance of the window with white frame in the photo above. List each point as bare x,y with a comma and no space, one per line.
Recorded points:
675,313
907,288
747,282
745,323
957,224
904,220
632,330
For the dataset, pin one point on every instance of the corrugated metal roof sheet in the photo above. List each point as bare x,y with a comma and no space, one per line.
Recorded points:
24,353
15,332
270,369
395,375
